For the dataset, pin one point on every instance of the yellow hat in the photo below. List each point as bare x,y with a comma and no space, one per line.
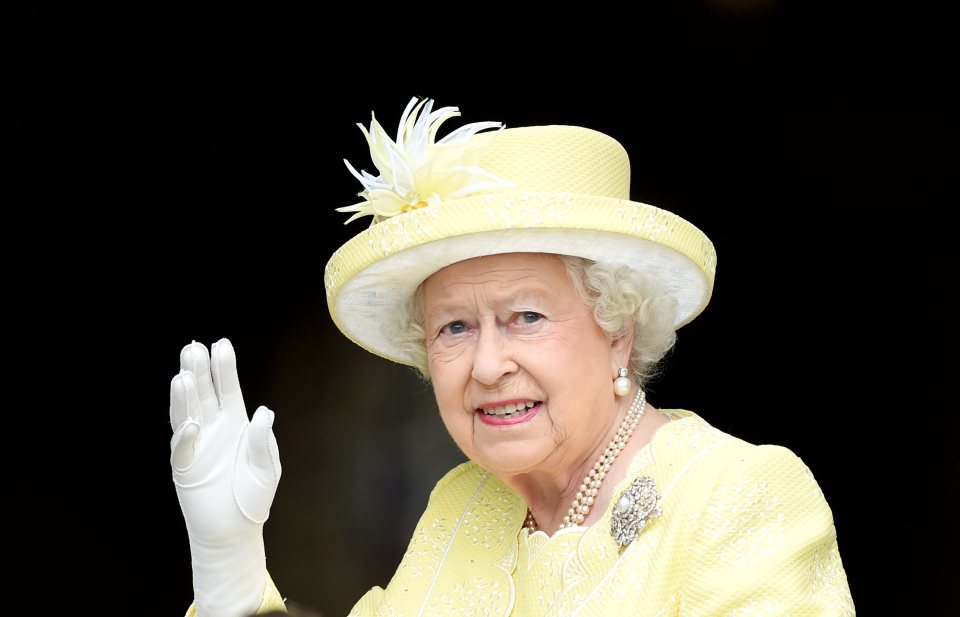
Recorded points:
540,189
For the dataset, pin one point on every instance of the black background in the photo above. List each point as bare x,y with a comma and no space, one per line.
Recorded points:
174,178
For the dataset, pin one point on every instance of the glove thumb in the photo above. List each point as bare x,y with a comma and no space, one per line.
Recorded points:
182,445
257,480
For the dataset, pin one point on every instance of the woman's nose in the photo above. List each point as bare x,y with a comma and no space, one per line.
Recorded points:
492,357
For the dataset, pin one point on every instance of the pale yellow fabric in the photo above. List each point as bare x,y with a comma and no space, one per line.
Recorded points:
745,530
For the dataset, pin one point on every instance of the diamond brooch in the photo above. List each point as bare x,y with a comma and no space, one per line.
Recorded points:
638,505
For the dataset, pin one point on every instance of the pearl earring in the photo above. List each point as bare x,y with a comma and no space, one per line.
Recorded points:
622,385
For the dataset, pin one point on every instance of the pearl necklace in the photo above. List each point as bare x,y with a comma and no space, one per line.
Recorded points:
590,486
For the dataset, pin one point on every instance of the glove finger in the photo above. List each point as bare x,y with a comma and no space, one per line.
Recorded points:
182,445
258,471
226,384
195,358
184,403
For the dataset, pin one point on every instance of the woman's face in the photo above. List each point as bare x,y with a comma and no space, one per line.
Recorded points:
522,373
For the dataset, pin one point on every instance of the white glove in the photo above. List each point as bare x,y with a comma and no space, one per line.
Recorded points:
226,470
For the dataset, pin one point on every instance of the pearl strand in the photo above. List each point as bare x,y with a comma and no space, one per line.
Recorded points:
590,486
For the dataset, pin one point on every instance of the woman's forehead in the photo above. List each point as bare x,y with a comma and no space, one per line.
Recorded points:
516,274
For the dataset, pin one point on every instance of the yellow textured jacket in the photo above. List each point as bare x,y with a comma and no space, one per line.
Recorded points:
744,530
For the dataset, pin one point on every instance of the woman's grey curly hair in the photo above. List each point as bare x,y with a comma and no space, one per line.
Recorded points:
619,297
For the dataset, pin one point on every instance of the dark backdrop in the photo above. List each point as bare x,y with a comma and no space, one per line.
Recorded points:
174,178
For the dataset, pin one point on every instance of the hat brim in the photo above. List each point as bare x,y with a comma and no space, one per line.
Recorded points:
374,273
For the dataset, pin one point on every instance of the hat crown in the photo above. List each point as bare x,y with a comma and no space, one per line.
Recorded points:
558,159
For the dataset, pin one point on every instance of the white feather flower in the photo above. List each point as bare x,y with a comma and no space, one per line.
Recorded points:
417,171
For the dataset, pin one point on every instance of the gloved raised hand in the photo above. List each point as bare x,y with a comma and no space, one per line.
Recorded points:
226,469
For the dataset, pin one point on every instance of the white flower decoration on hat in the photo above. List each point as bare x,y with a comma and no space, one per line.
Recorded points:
417,171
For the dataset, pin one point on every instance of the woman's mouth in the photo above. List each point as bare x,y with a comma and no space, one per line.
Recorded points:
510,413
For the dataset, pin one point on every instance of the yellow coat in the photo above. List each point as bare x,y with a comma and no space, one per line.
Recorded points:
744,530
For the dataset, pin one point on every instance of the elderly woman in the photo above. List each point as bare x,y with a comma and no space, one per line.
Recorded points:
511,269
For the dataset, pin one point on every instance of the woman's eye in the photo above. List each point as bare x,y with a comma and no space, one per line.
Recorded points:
529,317
455,327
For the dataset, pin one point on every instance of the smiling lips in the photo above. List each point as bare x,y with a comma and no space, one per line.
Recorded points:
511,412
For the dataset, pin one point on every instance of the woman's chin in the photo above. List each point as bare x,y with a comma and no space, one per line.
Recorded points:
511,445
510,459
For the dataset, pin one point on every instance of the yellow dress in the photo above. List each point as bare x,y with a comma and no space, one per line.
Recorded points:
744,530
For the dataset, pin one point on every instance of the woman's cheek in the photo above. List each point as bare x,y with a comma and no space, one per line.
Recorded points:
441,353
546,339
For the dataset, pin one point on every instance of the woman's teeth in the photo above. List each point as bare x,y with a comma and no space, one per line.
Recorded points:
509,411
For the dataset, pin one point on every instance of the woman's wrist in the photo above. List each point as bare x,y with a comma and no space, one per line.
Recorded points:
228,581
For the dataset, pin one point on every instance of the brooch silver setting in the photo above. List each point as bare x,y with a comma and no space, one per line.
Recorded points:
638,504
